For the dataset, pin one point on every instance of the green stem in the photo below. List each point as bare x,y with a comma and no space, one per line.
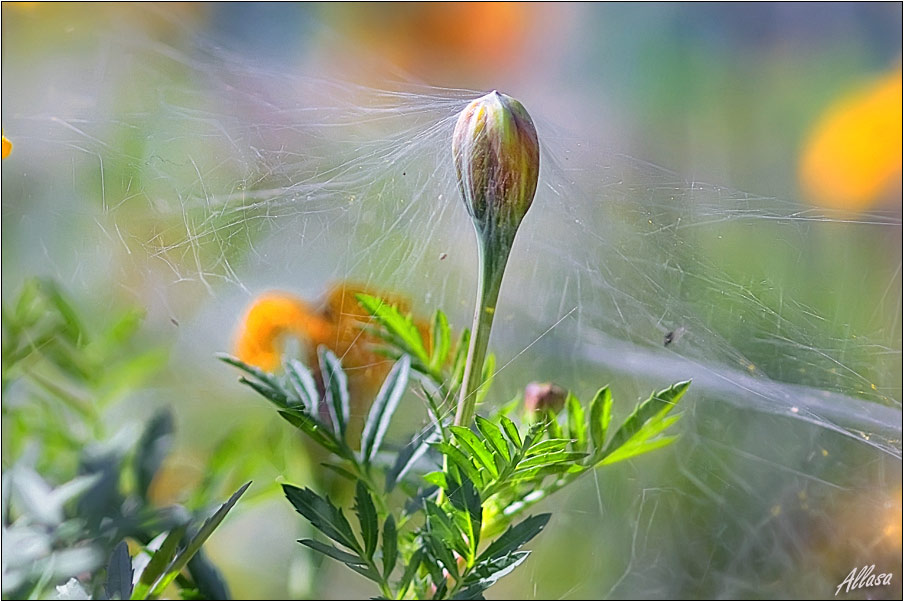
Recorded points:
493,253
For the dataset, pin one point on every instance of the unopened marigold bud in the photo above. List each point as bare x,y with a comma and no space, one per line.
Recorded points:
497,160
544,396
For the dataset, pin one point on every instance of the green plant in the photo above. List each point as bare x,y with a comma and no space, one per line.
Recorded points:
74,493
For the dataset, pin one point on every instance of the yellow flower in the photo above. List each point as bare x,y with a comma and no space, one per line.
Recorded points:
852,158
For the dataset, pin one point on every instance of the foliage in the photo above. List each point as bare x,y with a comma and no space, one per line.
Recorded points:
76,498
459,527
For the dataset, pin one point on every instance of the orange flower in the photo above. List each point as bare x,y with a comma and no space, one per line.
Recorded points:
339,325
7,147
852,159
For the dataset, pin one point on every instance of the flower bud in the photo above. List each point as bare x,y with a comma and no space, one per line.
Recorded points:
497,161
539,397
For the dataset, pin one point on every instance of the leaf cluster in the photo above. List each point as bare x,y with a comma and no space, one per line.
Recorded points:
456,533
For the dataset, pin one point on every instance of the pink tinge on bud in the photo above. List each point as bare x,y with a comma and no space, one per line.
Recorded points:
539,397
497,160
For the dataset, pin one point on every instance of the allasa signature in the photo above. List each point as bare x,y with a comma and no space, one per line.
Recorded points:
860,578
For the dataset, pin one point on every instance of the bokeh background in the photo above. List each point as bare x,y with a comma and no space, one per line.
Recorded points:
121,155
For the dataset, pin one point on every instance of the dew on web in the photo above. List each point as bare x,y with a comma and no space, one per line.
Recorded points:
215,180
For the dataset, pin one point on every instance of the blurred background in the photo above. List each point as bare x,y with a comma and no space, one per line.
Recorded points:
730,173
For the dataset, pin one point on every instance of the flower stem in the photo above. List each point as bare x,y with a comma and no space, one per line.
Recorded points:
493,249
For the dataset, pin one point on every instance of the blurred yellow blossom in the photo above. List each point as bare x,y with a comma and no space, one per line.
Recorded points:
852,157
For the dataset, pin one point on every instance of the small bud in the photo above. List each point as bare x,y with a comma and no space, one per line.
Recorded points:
497,161
539,397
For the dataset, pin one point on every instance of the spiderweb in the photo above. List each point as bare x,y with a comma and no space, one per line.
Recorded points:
192,179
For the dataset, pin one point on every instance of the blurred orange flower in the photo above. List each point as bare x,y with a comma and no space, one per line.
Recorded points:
7,147
339,325
852,158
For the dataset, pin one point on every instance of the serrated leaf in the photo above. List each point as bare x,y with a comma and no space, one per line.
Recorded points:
577,425
323,515
332,551
367,518
459,459
654,408
304,385
515,537
493,436
118,584
629,451
441,552
546,446
491,570
441,341
335,382
442,526
264,377
551,458
466,498
413,565
469,442
401,329
313,429
600,416
197,541
390,546
511,431
410,454
384,406
153,447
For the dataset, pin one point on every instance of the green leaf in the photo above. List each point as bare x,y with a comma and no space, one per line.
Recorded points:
335,382
577,425
277,397
494,437
332,551
437,478
366,571
469,441
304,385
401,329
511,431
413,565
153,447
197,541
629,451
491,570
489,373
466,498
459,459
410,454
551,458
390,546
441,341
546,446
313,429
655,408
367,518
158,563
553,428
325,517
383,407
441,552
515,537
342,472
268,379
461,359
440,525
600,416
118,585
